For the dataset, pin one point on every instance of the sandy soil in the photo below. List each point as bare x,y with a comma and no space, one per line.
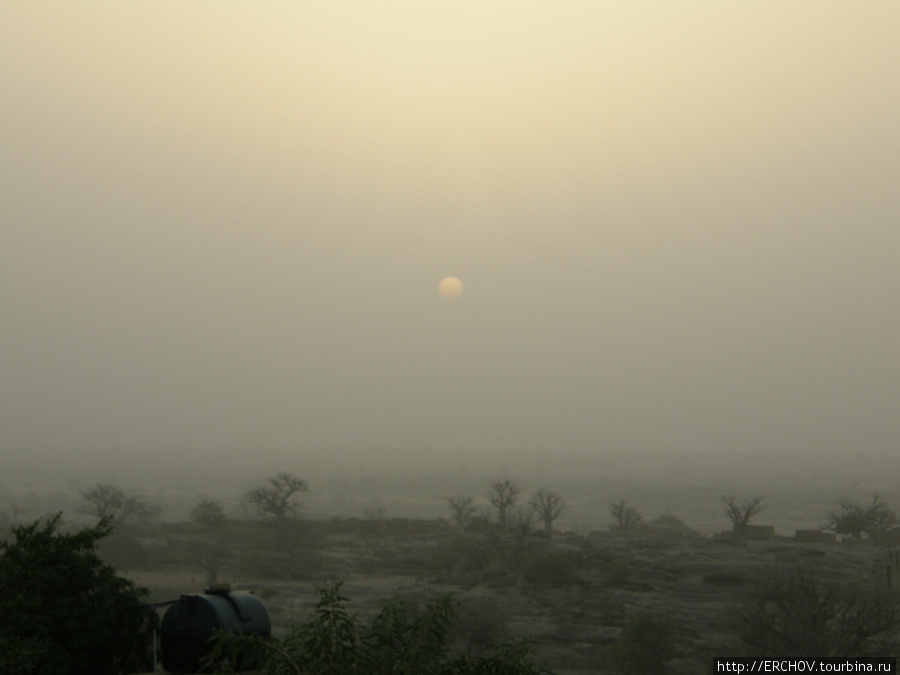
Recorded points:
694,581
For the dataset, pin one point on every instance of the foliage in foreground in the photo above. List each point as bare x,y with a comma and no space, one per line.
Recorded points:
62,610
397,640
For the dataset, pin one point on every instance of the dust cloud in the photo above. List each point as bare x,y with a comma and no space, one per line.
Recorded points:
223,228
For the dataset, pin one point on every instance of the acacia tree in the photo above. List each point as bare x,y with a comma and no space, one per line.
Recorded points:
547,506
740,513
275,500
504,494
108,502
853,518
626,517
461,509
62,610
209,514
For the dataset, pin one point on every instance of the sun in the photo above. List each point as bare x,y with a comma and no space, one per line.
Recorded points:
450,288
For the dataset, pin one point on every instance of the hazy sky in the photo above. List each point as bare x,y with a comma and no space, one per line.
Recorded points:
223,224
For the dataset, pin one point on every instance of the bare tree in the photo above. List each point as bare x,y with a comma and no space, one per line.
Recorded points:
274,501
740,513
209,514
103,501
794,612
853,518
112,503
547,506
462,509
520,524
626,517
504,494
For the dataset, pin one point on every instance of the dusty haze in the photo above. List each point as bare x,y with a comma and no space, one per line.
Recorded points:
223,225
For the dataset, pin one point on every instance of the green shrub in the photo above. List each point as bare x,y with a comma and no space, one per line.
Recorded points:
20,656
335,642
62,610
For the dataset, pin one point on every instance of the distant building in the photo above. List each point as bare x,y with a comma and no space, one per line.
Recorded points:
757,532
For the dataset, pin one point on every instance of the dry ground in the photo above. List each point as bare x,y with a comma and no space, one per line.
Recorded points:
694,581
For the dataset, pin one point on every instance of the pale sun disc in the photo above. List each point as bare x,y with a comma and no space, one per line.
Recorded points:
450,288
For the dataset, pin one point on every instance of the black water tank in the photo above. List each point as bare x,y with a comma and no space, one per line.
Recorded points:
189,623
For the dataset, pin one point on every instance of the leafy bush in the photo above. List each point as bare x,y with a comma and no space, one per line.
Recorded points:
19,656
335,642
62,610
645,645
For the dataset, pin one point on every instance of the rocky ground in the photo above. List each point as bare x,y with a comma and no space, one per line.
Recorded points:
574,594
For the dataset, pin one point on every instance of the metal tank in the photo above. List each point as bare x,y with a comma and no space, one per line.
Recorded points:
189,623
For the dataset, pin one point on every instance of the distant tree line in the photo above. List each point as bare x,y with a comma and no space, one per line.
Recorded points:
544,506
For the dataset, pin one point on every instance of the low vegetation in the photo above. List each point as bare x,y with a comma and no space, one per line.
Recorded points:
648,595
398,639
794,611
854,518
62,610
